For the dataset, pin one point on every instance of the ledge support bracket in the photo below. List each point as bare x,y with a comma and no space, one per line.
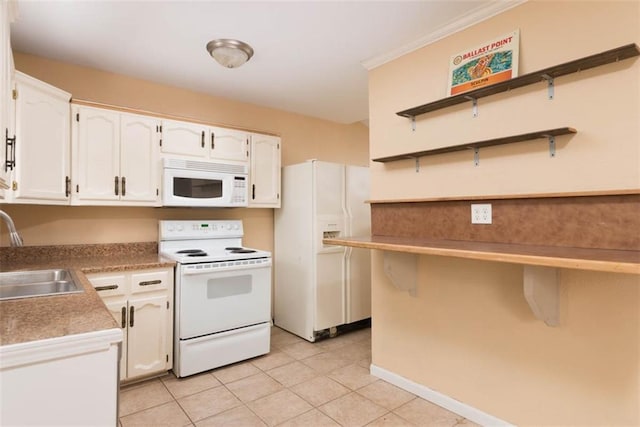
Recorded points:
476,156
413,123
552,145
550,86
541,290
417,164
402,269
474,105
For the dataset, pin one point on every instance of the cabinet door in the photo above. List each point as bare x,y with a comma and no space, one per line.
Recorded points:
265,171
139,166
113,289
228,144
148,348
96,155
42,142
117,306
184,139
6,71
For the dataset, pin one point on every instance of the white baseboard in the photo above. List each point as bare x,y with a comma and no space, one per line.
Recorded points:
449,403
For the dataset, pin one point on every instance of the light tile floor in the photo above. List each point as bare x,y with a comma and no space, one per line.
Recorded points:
297,384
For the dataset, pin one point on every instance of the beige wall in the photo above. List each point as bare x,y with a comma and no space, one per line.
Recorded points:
302,138
469,333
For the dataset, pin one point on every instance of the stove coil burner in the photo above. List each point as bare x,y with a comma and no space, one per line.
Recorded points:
192,252
238,250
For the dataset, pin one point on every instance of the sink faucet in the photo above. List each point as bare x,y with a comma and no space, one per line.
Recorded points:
16,240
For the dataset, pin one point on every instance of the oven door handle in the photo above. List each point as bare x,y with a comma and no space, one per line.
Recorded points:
192,270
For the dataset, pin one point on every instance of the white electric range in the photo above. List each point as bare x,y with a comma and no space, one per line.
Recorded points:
222,294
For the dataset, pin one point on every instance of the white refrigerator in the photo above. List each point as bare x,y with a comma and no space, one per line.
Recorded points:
319,287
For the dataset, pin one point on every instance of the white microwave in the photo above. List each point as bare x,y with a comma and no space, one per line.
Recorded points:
204,184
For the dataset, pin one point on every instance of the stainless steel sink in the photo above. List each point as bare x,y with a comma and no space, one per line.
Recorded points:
37,283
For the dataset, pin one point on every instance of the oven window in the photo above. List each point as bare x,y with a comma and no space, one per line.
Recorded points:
197,188
228,286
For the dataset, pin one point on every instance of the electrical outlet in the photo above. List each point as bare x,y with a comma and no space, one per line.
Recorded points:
481,213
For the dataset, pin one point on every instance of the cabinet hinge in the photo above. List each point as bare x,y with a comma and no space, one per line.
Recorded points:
14,94
77,117
14,186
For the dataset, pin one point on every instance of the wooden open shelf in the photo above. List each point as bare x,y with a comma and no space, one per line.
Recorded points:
602,58
540,264
479,144
607,260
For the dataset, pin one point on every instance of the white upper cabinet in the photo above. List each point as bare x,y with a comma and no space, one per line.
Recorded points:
42,151
139,160
96,155
184,139
228,144
195,141
6,71
265,171
115,158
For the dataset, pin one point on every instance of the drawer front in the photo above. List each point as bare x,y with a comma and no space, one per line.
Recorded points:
153,280
109,285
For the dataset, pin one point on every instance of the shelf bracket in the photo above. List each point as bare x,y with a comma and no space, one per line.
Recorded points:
413,123
552,145
550,86
417,164
474,105
541,290
476,156
402,269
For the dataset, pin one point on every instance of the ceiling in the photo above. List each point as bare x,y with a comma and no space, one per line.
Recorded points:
310,58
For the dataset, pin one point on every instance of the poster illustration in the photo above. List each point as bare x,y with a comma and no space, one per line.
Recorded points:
491,62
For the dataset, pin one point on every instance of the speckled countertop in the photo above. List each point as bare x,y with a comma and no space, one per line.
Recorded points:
30,319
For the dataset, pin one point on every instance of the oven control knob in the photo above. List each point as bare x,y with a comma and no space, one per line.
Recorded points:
228,226
170,227
179,228
236,227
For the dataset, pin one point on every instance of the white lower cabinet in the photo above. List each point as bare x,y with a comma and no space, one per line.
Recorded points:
141,301
64,381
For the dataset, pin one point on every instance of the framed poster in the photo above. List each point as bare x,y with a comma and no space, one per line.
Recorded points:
491,62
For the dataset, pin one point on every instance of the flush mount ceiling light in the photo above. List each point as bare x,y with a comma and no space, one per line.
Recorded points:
230,53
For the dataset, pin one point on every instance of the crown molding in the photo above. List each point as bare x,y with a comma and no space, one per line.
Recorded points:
474,17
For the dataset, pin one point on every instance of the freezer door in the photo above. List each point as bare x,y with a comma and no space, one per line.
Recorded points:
330,290
357,262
